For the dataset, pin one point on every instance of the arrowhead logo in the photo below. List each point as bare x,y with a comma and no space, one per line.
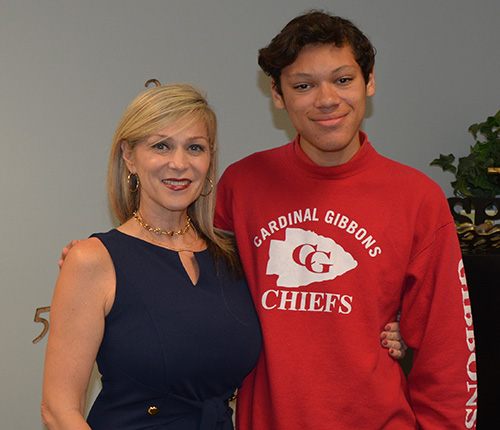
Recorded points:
305,257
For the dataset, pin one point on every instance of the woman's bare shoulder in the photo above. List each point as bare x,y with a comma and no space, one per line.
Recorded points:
87,276
88,262
88,253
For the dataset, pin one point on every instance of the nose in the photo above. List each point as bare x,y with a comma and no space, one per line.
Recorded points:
327,97
178,160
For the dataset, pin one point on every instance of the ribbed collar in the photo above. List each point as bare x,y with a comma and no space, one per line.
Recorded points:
361,160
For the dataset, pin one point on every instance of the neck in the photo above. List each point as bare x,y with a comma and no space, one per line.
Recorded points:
178,230
330,158
333,154
187,242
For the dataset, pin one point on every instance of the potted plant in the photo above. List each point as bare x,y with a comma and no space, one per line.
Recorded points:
471,172
477,186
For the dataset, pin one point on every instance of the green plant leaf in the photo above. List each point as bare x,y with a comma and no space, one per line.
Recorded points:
445,162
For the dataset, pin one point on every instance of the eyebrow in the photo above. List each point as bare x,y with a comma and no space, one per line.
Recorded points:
163,137
333,72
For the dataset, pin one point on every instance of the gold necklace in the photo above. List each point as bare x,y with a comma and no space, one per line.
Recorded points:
172,248
158,230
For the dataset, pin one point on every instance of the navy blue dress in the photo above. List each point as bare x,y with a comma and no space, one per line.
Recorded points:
173,352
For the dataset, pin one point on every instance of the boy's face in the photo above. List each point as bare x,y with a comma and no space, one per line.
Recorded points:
325,95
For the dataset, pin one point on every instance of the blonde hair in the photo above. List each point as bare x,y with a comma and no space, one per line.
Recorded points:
149,112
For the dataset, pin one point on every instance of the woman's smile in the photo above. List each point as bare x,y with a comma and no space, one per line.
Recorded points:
177,184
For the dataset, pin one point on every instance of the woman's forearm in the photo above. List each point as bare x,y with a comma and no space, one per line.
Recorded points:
63,420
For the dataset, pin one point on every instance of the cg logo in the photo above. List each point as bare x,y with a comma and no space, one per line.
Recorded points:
305,257
311,258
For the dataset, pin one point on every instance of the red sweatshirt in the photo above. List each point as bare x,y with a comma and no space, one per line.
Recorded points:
331,254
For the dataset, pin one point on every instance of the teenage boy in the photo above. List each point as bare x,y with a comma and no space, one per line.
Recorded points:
336,239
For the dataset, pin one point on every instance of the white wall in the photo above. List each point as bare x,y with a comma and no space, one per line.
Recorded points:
69,68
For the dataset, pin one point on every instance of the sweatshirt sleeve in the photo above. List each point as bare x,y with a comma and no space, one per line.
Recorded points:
436,321
223,210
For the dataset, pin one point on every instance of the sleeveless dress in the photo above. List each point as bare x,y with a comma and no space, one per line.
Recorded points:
173,353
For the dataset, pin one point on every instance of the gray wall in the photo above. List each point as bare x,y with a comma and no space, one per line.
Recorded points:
69,68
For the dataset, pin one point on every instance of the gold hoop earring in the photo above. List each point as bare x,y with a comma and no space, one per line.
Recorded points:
133,182
211,187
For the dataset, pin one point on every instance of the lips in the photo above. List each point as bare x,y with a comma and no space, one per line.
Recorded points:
177,184
329,121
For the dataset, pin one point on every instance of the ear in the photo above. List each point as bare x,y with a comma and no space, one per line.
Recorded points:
127,155
278,99
370,86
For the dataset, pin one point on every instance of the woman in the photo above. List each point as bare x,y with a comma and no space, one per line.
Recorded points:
164,308
159,302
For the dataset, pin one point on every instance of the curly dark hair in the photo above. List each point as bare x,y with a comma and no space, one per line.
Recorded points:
315,27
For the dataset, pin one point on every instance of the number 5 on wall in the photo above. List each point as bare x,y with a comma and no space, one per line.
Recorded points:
43,321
